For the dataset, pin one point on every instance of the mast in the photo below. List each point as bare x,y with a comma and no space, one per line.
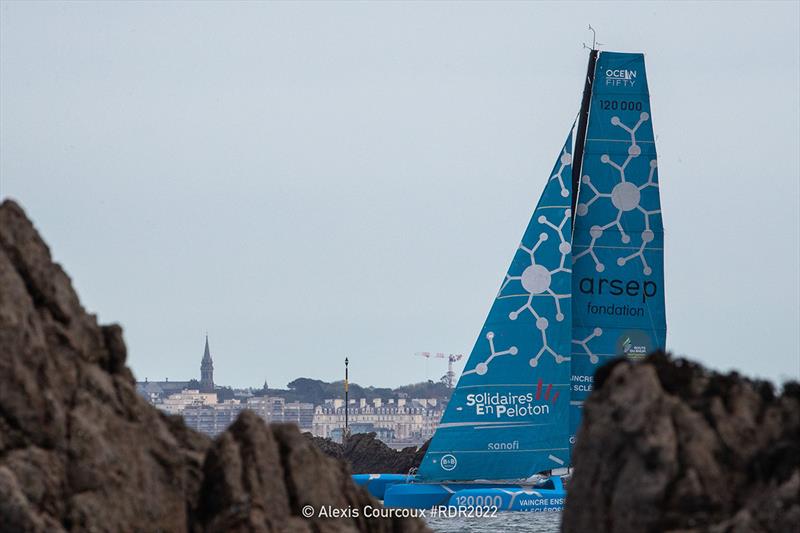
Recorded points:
583,121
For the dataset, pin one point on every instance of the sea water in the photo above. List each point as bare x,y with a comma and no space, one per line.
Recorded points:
501,521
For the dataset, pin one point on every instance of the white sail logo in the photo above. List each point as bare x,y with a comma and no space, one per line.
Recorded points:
448,462
617,77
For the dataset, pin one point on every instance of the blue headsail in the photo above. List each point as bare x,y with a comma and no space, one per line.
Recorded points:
618,240
508,417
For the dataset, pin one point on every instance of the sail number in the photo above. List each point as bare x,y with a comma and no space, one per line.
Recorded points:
622,105
481,505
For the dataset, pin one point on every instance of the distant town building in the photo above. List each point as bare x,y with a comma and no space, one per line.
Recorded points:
213,419
211,409
156,391
403,421
301,414
177,403
269,408
207,371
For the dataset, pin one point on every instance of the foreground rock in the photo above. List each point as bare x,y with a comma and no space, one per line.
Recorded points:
258,475
81,451
367,454
668,446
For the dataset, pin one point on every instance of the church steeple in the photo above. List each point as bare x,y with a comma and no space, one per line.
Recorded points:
207,371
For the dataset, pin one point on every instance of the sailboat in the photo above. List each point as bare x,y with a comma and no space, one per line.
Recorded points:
585,285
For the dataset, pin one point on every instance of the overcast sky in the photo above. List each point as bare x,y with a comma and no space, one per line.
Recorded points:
309,181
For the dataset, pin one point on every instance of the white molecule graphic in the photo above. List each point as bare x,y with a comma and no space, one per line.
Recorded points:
541,324
536,280
625,196
482,368
566,160
585,345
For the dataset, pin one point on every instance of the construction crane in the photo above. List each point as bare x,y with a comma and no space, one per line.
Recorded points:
451,358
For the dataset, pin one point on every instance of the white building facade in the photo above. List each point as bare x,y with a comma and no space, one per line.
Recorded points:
409,422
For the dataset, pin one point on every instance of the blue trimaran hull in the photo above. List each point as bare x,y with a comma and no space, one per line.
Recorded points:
398,490
503,497
585,285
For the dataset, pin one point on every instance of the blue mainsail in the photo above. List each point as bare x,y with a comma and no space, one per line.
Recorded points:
508,417
618,239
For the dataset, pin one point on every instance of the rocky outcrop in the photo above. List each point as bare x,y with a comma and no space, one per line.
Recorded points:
259,477
81,451
367,454
328,447
668,446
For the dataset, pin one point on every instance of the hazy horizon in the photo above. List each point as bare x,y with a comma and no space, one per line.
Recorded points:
311,181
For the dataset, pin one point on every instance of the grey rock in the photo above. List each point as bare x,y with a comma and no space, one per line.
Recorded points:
366,454
666,445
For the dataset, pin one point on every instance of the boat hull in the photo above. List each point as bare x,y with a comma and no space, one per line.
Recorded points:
427,495
525,499
548,495
377,484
